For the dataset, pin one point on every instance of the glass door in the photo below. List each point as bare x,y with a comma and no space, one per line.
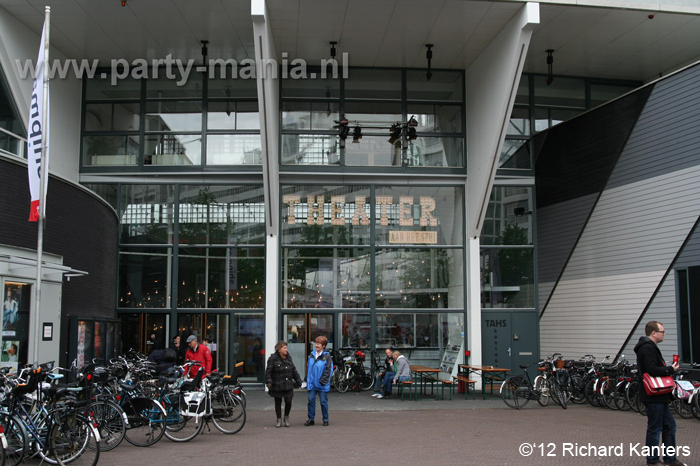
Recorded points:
211,331
300,332
145,332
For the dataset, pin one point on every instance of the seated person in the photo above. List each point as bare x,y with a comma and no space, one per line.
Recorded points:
384,375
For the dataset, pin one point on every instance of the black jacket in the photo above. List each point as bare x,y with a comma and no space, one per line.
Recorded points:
649,360
281,373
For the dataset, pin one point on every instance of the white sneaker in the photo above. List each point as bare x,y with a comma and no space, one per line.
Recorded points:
380,396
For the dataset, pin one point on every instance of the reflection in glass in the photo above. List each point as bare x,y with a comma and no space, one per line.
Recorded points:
249,345
430,151
515,154
309,115
355,330
221,215
233,115
422,209
221,278
509,216
118,116
234,149
110,150
325,278
421,330
310,149
147,214
437,118
414,278
174,115
172,149
372,151
329,215
507,278
143,277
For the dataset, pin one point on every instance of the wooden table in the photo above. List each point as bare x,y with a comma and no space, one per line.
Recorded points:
489,373
421,374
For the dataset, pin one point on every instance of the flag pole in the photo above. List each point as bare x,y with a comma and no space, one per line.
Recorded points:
44,175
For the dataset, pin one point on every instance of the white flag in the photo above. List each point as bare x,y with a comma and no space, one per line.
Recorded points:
38,136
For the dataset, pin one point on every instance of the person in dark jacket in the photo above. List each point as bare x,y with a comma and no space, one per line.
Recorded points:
660,422
179,350
318,379
385,375
281,378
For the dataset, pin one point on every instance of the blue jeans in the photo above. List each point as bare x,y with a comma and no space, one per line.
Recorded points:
660,423
388,380
323,398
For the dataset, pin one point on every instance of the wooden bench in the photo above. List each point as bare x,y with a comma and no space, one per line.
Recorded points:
445,381
467,382
402,385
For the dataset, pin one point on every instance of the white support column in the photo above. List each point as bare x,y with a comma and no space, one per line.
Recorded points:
268,104
491,86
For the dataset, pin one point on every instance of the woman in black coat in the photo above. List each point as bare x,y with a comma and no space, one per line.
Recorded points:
281,378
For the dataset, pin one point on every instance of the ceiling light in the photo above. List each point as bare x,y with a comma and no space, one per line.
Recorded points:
357,135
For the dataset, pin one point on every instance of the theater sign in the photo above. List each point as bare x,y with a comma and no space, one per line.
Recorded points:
408,211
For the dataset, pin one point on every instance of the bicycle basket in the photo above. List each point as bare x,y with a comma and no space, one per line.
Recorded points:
359,356
195,404
684,389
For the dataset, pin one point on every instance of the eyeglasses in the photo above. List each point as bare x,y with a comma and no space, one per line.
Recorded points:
661,331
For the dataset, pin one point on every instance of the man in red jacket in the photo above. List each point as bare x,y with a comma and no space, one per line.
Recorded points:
199,353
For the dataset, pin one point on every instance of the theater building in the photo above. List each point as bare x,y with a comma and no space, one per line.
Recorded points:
465,181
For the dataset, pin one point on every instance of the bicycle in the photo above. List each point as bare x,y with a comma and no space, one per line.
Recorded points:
57,431
517,391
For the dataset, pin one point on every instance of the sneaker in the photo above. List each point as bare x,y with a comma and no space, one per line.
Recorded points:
380,396
376,394
309,422
325,423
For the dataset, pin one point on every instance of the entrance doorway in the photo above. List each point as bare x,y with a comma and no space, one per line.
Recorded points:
212,330
509,338
300,330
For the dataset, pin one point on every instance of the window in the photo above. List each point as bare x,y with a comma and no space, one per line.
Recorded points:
688,302
373,100
163,122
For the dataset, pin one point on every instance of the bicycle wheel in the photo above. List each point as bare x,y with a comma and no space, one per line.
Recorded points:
559,396
228,412
621,397
607,393
541,386
682,407
590,393
73,440
343,383
631,393
178,426
366,379
146,421
111,424
515,391
16,440
577,395
696,404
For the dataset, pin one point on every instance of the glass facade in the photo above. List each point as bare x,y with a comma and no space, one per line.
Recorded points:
156,122
374,100
507,249
373,263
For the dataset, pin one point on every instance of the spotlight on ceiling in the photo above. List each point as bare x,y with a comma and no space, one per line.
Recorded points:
394,134
357,135
343,130
550,61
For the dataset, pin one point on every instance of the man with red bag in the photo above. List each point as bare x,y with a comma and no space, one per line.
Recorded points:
660,422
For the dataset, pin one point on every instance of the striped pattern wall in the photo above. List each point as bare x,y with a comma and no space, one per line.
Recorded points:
640,221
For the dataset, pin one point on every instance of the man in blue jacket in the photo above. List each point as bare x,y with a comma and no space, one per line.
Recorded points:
318,379
660,422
